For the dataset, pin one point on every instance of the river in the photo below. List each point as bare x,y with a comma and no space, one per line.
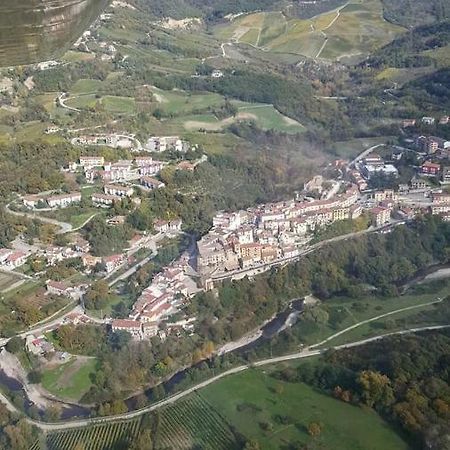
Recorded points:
280,322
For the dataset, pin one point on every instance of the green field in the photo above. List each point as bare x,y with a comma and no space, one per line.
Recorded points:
269,118
70,380
352,30
106,436
113,104
277,414
346,312
86,86
182,102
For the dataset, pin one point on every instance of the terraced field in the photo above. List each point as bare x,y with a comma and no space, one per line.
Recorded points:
352,30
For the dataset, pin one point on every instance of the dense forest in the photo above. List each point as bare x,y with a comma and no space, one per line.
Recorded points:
405,379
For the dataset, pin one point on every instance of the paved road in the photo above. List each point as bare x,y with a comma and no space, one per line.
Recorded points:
372,319
64,227
62,102
364,154
307,353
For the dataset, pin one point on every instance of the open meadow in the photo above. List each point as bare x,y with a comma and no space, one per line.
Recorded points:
277,414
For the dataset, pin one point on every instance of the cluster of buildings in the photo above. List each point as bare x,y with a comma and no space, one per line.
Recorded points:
51,201
96,168
440,205
426,120
107,140
112,193
161,144
269,232
168,291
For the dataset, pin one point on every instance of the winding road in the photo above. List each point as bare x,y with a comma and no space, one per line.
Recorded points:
64,227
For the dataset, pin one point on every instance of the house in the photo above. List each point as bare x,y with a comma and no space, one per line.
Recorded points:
164,226
440,198
142,161
151,183
430,169
104,199
269,253
250,251
90,261
113,262
428,120
118,190
130,326
418,184
38,345
91,161
58,288
369,170
116,220
15,259
81,245
216,73
32,201
380,216
290,252
150,329
63,200
445,175
387,194
408,123
4,254
186,165
151,169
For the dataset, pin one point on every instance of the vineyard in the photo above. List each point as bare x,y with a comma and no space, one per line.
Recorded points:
96,437
190,423
193,423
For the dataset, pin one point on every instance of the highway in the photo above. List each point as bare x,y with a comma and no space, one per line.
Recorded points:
306,353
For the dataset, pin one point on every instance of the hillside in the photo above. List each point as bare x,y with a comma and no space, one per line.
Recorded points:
409,13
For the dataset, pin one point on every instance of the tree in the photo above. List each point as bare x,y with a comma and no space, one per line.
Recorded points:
15,345
97,295
376,388
314,429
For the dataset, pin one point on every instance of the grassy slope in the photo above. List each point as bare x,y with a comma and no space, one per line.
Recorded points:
344,426
70,380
